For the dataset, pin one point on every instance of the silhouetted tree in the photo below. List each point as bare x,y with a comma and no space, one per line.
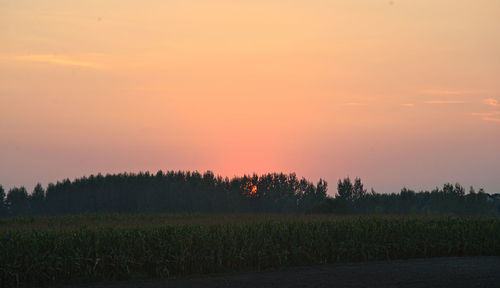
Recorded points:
472,191
358,191
450,199
321,190
345,189
3,208
37,199
179,191
18,201
459,190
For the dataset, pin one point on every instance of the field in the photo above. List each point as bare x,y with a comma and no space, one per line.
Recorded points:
81,248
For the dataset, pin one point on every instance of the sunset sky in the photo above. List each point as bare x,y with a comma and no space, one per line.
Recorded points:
399,93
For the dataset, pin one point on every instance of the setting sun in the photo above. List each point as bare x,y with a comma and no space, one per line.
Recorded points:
326,88
145,140
253,191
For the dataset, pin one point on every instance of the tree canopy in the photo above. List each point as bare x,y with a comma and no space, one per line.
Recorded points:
186,191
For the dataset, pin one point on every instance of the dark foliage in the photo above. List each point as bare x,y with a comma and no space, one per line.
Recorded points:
169,192
3,208
173,192
47,257
18,201
451,199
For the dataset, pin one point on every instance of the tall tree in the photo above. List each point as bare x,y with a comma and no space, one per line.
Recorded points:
321,190
179,191
18,201
37,199
345,189
358,190
3,209
472,191
459,190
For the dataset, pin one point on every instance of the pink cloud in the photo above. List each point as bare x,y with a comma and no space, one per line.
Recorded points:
492,102
445,92
493,113
444,102
492,119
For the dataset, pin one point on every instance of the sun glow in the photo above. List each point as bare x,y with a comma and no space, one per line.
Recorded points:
249,189
321,88
253,192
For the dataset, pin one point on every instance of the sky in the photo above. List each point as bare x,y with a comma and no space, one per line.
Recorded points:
398,93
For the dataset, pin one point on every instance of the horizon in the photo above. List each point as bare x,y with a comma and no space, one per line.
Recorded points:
330,193
397,93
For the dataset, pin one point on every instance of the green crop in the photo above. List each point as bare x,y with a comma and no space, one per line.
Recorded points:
41,254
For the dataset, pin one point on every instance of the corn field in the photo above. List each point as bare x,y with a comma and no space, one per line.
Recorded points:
36,254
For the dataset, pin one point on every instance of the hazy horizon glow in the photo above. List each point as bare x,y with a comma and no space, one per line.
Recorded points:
399,93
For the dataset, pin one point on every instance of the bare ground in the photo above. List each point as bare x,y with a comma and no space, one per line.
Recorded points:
436,272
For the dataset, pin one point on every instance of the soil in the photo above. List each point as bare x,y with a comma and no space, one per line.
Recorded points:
435,272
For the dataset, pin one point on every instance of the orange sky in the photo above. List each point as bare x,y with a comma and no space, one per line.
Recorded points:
401,93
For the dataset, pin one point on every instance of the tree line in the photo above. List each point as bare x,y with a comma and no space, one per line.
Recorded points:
170,192
353,198
185,191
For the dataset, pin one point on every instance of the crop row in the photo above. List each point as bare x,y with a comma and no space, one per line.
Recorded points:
40,257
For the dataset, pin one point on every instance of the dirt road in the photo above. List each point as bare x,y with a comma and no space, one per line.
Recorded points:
438,272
